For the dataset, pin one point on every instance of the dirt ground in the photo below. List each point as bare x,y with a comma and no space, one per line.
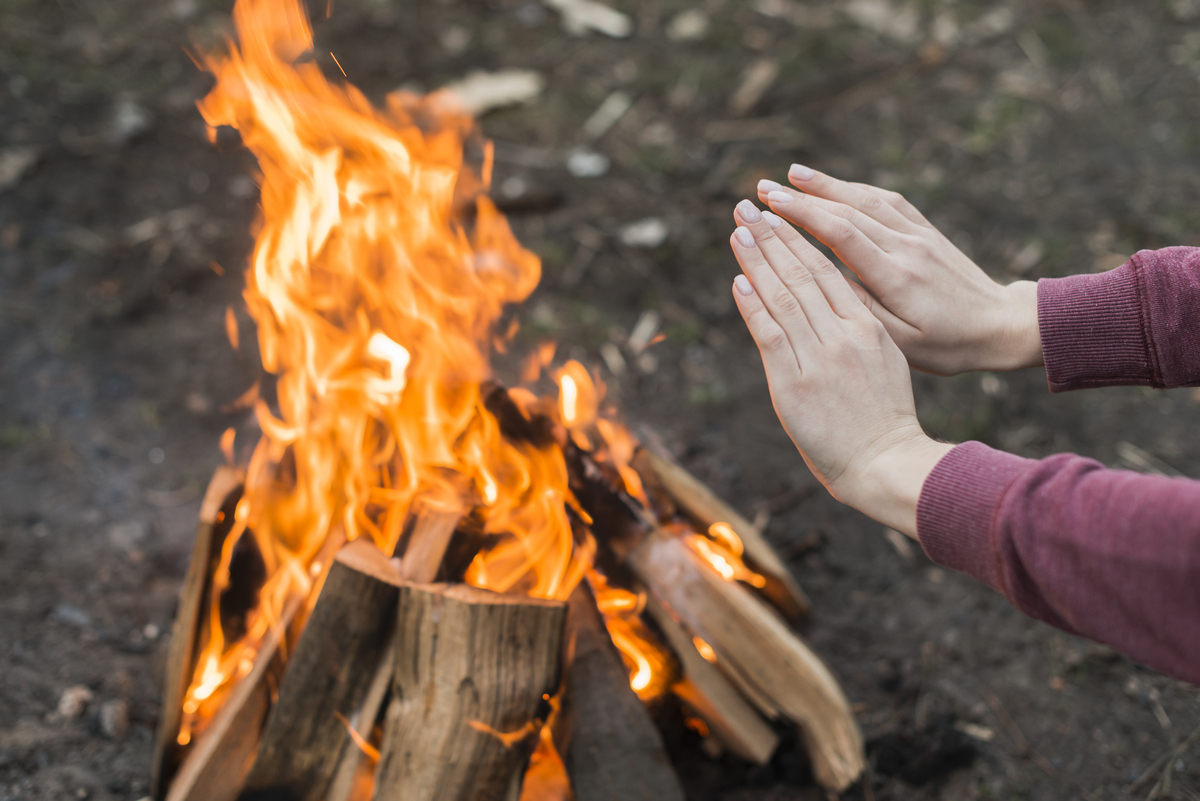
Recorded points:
1046,137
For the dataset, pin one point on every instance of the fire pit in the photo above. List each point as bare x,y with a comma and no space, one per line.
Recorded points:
422,584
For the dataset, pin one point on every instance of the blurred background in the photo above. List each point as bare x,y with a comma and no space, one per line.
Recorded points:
1045,137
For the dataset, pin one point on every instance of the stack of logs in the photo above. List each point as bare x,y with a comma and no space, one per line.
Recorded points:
460,680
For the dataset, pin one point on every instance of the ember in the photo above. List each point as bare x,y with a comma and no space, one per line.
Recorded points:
379,276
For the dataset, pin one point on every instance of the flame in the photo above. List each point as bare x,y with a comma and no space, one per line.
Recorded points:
725,560
647,660
378,274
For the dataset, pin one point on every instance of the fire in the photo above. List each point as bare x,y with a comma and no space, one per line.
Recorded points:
379,274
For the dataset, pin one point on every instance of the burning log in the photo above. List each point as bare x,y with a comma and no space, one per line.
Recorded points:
609,745
473,669
328,675
751,643
732,720
432,531
700,504
217,764
181,654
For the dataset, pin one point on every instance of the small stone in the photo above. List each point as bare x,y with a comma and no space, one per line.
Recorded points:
64,612
688,26
584,163
128,535
73,701
647,233
14,163
114,718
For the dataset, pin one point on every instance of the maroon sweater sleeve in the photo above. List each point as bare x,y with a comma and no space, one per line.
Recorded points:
1107,554
1138,324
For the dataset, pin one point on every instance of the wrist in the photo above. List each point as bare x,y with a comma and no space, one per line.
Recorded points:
890,484
1018,338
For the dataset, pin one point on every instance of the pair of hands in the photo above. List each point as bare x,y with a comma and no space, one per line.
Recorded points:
837,353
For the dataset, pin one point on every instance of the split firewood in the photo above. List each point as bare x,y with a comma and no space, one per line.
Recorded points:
328,675
217,764
699,503
352,767
220,758
606,738
752,643
206,549
431,533
473,671
432,530
730,718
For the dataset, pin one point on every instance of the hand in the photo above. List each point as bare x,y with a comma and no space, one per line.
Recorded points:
839,384
944,312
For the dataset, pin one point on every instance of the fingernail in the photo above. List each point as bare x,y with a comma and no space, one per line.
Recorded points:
749,213
743,286
773,220
744,237
801,173
765,186
779,197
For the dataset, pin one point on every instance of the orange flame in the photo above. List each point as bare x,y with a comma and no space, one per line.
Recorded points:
377,276
379,273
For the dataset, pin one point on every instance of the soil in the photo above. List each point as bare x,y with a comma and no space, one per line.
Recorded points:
1046,138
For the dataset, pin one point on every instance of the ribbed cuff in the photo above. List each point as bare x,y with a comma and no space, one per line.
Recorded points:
958,504
1094,330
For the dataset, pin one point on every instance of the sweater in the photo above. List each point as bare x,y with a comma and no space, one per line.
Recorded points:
1111,555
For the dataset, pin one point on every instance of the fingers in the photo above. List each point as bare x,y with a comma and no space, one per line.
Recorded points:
797,278
778,357
776,298
850,244
885,238
889,208
831,281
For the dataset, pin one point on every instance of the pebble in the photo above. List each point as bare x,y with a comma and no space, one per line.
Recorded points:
114,718
73,701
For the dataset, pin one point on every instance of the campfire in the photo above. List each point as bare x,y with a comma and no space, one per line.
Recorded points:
420,583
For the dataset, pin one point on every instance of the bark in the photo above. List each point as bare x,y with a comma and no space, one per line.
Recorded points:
608,743
473,671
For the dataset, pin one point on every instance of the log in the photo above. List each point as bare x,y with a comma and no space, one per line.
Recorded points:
473,669
181,651
730,718
328,675
753,643
609,745
433,529
700,504
218,762
216,766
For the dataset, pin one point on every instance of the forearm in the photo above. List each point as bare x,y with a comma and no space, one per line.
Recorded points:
1108,554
